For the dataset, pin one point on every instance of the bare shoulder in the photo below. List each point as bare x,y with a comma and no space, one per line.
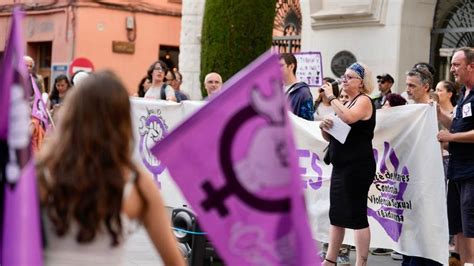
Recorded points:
144,192
365,99
146,180
363,107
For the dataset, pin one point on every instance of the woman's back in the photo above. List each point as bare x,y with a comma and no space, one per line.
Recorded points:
65,250
90,188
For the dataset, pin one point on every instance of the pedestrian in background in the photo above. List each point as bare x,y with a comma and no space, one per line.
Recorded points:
159,90
297,92
461,160
385,82
213,83
173,82
31,67
322,107
143,87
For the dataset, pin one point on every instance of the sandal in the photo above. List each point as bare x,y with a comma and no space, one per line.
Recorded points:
330,261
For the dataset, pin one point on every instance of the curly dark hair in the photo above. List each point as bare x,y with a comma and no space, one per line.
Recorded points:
83,166
395,99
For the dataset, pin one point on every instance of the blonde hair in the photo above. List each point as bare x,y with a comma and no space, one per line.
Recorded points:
367,79
364,73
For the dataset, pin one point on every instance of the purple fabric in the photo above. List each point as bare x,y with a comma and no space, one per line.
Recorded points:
12,62
39,108
21,227
241,176
20,237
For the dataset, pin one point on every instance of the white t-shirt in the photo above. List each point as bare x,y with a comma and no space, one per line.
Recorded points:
155,93
322,111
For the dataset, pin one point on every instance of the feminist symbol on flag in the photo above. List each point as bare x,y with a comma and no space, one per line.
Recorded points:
245,178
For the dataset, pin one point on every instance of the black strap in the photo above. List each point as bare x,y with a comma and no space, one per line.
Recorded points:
163,91
331,261
354,100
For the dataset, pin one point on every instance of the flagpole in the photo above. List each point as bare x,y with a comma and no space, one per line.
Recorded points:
50,118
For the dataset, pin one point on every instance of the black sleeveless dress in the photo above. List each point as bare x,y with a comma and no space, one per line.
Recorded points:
352,174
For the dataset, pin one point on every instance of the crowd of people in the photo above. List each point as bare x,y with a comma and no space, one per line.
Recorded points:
348,192
93,229
162,83
92,193
97,226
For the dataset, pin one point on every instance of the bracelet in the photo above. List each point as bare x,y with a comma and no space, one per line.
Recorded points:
331,98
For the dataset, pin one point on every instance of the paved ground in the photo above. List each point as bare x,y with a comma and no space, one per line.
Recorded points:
377,260
140,252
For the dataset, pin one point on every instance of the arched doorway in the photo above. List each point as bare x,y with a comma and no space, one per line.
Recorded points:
287,27
453,27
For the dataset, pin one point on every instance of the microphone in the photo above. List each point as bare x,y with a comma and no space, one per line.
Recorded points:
334,83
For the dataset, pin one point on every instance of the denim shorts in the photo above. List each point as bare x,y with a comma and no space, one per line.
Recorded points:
461,207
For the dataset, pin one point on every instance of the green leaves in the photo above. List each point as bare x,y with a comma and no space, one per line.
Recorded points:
234,33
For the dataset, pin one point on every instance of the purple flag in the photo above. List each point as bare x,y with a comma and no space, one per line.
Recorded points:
21,227
20,238
39,108
235,162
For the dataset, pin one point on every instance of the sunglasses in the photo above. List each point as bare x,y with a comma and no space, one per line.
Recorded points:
381,81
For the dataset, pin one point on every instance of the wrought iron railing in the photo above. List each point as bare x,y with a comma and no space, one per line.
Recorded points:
286,44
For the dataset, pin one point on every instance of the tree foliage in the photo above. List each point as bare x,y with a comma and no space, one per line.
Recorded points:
234,33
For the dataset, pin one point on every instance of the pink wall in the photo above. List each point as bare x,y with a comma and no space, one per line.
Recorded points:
97,28
43,26
88,29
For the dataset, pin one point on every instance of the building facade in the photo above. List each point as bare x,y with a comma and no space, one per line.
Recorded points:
390,36
123,36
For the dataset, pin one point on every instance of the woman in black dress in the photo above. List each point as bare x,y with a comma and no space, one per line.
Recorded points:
353,163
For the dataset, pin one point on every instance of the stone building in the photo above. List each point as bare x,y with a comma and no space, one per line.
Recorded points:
388,35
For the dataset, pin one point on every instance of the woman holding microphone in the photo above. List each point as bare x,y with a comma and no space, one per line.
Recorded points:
353,163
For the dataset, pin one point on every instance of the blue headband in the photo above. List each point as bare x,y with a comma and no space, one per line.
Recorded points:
357,68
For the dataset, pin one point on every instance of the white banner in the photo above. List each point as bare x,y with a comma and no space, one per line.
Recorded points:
406,203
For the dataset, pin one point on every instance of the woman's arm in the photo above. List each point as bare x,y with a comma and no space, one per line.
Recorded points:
157,222
443,118
170,95
361,110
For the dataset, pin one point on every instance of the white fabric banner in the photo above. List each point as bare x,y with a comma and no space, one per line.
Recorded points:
406,203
